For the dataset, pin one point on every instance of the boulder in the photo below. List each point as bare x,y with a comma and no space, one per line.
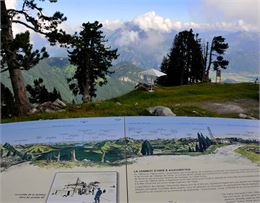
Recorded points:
50,107
245,116
160,111
59,103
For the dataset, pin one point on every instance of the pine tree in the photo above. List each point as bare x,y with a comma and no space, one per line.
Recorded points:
147,148
204,142
184,64
7,102
40,94
164,68
17,53
197,64
215,56
197,148
92,58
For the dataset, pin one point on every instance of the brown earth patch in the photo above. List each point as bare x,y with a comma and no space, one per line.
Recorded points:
249,107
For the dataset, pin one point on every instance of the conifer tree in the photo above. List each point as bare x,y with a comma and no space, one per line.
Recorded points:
92,57
147,148
17,53
204,142
215,56
7,102
40,94
196,148
184,64
164,68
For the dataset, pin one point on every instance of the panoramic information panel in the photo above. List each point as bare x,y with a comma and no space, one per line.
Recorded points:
131,159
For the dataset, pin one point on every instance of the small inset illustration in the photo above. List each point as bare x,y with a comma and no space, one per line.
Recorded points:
84,187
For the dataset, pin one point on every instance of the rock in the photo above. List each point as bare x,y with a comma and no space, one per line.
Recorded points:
242,115
33,110
50,107
59,103
118,103
47,110
160,111
195,112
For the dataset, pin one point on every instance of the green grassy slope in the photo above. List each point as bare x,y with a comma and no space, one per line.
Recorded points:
183,101
248,152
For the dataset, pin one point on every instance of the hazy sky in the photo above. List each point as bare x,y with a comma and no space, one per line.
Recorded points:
163,14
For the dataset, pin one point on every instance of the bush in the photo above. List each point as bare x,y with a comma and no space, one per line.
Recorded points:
7,102
39,93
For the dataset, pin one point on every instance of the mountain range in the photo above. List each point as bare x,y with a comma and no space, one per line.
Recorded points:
145,48
139,49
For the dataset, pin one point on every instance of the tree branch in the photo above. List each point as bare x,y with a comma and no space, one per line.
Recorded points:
4,70
30,27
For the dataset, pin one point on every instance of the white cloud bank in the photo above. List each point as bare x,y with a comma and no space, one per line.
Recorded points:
112,25
127,37
246,11
152,21
10,4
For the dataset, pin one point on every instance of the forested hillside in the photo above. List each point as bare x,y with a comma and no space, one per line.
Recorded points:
55,70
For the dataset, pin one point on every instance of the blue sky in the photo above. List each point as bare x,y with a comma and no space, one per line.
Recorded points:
124,10
210,14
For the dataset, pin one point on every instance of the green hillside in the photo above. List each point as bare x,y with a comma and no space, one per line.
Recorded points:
211,100
38,149
52,77
55,70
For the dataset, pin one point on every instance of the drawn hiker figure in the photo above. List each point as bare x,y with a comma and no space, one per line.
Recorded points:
98,195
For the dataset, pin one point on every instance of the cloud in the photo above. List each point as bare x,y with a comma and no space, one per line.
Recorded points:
148,33
112,25
127,37
10,4
236,11
152,21
153,45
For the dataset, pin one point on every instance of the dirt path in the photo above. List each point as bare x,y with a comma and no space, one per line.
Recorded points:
247,108
223,156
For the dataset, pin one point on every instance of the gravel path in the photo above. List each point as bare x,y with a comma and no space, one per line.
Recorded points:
223,155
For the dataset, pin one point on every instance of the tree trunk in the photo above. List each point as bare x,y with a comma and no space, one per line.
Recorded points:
58,157
86,92
73,155
210,61
205,77
103,157
21,100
